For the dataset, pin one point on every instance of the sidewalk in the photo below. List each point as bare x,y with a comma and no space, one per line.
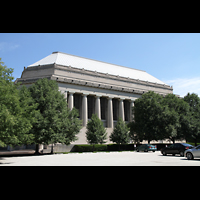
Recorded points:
17,152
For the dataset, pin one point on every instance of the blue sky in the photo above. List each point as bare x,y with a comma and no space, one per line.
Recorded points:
174,58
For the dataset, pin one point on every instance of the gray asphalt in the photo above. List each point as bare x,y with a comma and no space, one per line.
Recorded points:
100,159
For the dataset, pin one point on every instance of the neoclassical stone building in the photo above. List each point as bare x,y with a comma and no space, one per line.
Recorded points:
95,87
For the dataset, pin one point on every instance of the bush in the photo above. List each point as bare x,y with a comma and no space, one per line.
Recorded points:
102,147
89,148
121,147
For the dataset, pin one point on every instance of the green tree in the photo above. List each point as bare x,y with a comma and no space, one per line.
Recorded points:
120,134
192,129
6,73
55,122
96,133
174,118
15,111
148,113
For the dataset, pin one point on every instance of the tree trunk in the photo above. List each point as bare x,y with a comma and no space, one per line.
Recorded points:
195,142
52,149
149,141
37,149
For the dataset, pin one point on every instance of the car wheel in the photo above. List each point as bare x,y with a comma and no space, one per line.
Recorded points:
137,150
164,153
181,153
189,156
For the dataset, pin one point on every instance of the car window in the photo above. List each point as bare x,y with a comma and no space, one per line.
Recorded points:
172,146
198,147
187,145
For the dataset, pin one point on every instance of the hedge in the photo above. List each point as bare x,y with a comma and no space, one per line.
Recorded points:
89,148
102,147
110,147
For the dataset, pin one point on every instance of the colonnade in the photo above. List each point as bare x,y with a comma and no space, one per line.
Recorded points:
97,109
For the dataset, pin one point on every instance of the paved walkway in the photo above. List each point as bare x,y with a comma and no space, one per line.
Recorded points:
17,152
99,159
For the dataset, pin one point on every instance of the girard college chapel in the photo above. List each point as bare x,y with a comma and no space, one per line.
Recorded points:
94,87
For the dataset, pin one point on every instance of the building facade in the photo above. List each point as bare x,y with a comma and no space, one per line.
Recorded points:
95,87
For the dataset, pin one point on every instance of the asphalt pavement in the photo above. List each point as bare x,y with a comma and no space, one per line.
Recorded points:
100,159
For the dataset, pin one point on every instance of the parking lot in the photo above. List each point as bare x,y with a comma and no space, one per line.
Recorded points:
100,159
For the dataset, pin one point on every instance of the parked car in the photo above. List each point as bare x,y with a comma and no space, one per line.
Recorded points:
177,148
146,148
193,153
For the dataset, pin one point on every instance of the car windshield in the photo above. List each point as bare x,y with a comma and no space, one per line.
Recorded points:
187,145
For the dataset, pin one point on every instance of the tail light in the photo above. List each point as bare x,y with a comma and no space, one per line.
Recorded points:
186,147
149,147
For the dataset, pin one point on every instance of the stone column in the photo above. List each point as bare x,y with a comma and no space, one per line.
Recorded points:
110,113
98,106
84,110
65,95
131,106
71,100
121,108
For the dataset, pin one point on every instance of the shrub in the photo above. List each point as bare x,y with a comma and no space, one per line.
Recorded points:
102,147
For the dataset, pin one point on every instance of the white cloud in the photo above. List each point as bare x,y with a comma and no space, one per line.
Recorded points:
5,46
182,86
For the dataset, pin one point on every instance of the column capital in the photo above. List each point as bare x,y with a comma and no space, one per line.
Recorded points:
121,99
98,96
85,94
110,97
132,99
71,92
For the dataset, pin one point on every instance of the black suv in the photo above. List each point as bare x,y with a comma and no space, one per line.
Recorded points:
177,148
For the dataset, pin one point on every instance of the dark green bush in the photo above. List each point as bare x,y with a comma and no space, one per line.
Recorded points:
102,147
89,148
121,147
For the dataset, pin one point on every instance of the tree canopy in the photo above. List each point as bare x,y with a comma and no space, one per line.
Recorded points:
157,118
16,111
192,127
96,133
120,134
37,115
55,122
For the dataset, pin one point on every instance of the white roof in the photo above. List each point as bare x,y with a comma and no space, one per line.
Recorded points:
93,65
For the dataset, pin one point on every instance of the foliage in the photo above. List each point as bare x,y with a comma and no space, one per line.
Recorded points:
96,133
192,127
55,122
102,147
16,113
120,134
175,117
6,73
148,113
89,148
169,117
